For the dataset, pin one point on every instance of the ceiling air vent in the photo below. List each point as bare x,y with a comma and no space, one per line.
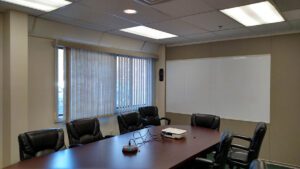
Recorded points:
151,2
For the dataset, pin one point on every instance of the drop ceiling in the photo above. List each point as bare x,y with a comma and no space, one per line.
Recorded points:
195,21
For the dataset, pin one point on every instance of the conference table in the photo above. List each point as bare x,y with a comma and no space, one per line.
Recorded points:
156,153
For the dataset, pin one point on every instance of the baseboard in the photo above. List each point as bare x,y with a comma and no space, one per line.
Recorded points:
281,164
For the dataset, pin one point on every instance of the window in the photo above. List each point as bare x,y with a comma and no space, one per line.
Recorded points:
60,88
134,83
101,84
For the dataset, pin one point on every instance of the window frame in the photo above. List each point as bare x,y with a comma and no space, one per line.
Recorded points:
57,118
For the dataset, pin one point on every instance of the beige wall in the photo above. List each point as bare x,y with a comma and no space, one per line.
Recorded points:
283,137
1,90
160,85
15,83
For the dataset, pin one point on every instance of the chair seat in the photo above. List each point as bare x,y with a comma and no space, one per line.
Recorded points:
238,155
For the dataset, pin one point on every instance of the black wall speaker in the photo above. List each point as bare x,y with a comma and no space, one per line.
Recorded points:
161,74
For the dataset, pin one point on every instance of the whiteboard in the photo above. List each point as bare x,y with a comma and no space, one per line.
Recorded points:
235,88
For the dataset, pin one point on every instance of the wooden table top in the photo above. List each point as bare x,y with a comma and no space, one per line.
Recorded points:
107,154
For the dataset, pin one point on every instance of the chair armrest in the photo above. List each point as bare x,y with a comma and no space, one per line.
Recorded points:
166,119
75,145
204,161
240,147
108,136
242,137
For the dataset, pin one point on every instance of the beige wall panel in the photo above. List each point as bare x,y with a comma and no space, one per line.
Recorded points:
285,98
188,52
6,89
15,73
19,79
41,83
281,143
160,86
1,90
241,47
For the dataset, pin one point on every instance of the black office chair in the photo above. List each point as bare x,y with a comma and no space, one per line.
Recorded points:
241,156
257,164
220,158
129,122
149,116
40,142
206,120
84,131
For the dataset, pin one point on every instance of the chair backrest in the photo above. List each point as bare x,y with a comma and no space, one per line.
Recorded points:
257,139
256,164
84,131
149,115
223,149
206,120
40,142
129,122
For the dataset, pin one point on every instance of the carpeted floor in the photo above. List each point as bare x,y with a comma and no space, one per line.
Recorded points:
272,166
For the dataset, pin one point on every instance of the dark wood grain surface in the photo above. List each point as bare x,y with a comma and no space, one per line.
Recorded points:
107,154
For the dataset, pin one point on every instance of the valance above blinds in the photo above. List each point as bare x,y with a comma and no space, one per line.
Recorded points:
110,50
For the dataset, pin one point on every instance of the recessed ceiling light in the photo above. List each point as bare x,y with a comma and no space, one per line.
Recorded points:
148,32
255,14
42,5
130,11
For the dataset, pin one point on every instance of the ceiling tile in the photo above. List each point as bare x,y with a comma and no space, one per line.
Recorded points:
180,8
231,33
287,5
171,41
223,4
146,14
76,22
129,35
295,25
292,15
270,29
97,17
211,21
200,36
177,27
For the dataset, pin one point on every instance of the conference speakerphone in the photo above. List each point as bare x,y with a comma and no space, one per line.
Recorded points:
173,133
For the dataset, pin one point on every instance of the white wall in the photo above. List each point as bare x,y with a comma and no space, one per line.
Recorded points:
1,93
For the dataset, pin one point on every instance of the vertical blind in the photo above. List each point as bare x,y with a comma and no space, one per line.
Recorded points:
104,84
134,83
92,84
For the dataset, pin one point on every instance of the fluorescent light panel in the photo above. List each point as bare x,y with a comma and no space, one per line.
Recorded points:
255,14
42,5
148,32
